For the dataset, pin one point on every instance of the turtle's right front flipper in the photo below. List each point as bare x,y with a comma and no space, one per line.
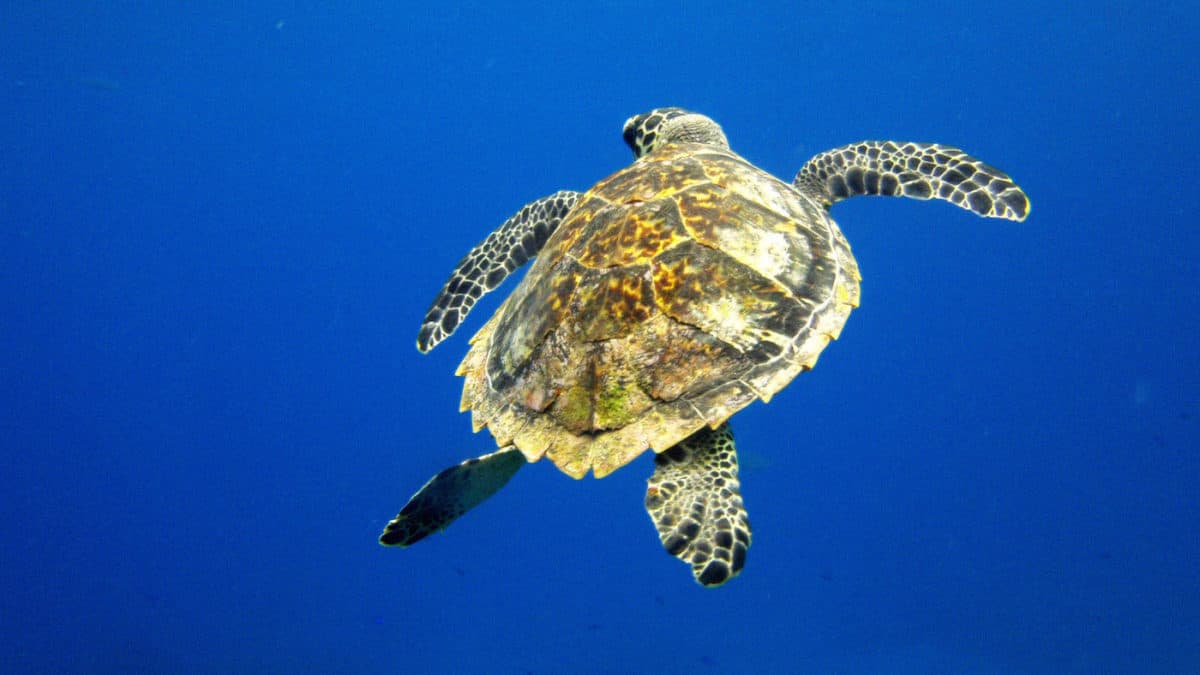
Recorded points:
450,494
914,170
485,266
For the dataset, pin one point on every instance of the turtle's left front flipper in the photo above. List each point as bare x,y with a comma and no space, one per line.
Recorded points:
450,494
491,261
695,501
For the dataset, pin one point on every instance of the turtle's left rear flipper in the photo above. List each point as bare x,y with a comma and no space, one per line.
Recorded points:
695,501
450,494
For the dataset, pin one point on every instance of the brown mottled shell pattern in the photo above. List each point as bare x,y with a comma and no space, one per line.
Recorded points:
675,293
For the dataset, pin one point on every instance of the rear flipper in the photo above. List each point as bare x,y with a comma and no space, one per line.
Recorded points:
450,494
695,501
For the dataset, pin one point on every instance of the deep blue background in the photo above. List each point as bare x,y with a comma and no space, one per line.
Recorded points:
221,227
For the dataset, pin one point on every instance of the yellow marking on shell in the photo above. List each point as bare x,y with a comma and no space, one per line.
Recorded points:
667,278
629,234
611,303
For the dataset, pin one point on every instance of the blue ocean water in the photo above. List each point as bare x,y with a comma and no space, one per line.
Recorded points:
222,225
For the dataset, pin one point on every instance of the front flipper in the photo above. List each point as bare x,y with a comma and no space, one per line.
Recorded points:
695,502
517,240
450,494
917,170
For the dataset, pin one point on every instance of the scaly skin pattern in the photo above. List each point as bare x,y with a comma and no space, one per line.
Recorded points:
695,501
914,170
490,262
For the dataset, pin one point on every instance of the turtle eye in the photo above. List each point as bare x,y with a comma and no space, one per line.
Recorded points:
633,136
643,131
639,133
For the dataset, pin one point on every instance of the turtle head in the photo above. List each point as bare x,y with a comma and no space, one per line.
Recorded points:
647,132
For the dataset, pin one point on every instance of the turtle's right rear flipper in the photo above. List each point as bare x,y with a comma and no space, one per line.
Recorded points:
450,494
695,501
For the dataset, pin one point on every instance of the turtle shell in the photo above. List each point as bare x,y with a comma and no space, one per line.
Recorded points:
677,291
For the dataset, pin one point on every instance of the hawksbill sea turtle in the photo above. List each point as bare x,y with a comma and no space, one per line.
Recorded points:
663,300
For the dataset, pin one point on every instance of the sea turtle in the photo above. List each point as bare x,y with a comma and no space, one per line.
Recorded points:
663,300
